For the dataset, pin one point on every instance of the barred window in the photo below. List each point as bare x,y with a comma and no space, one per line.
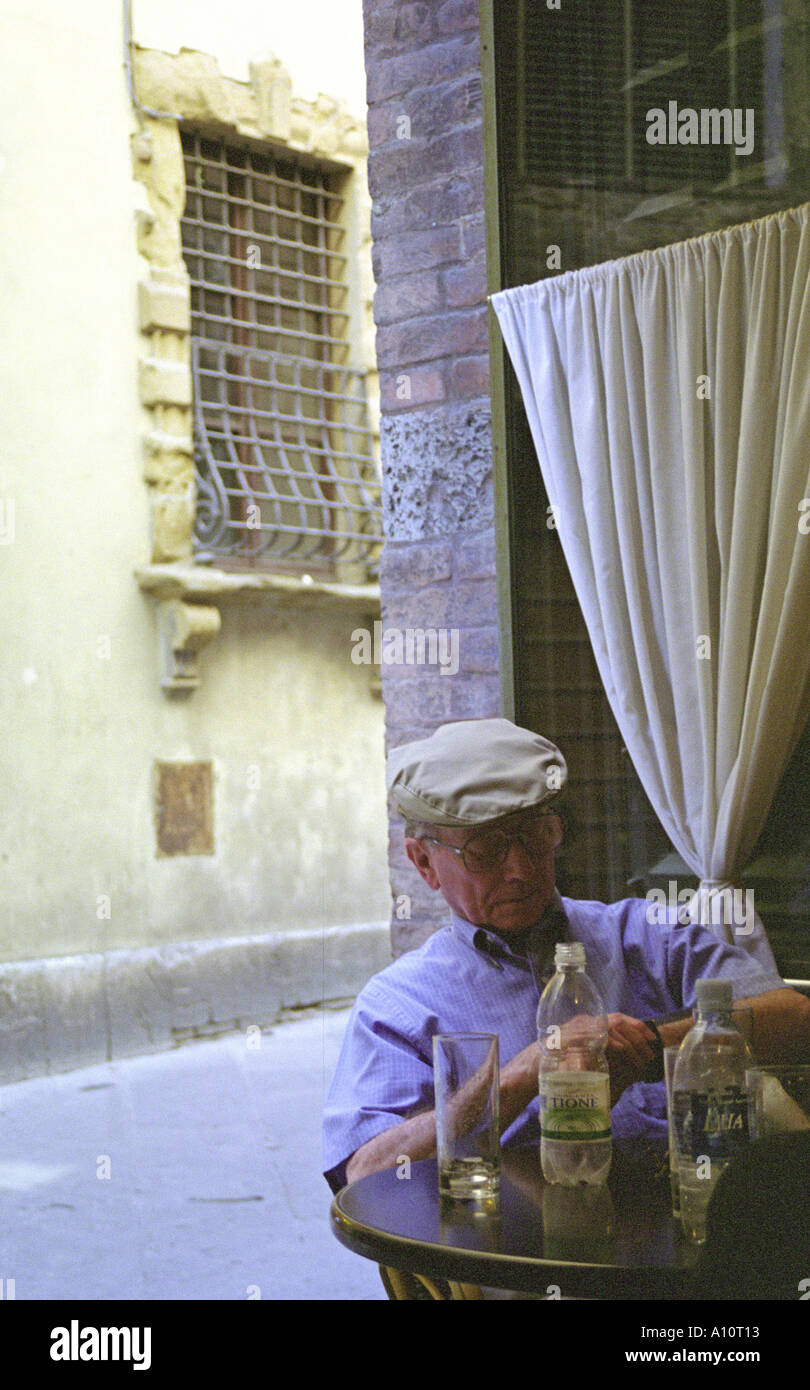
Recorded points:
286,467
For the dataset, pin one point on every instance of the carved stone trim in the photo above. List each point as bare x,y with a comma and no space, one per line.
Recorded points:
200,582
263,108
183,630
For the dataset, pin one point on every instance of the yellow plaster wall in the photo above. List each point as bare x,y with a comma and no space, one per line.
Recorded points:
295,738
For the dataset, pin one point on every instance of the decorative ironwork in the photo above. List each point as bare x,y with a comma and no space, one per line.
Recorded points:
285,458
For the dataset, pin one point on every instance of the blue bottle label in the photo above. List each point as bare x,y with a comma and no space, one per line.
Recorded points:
711,1124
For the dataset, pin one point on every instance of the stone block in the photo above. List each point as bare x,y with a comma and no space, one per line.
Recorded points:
422,159
226,984
380,32
465,284
412,387
474,697
430,205
450,106
164,383
468,604
423,66
436,472
423,700
456,15
414,25
168,459
164,307
23,1048
74,1013
272,87
190,84
139,997
394,28
469,378
347,958
405,296
431,112
172,523
427,339
475,556
479,650
415,565
419,250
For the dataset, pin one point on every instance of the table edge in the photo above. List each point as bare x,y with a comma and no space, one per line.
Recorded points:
517,1272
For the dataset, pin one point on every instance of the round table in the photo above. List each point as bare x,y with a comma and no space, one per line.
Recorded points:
617,1241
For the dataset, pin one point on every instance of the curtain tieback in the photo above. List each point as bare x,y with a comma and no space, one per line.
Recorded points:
720,902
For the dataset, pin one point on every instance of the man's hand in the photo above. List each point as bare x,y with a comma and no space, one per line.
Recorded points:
628,1048
628,1052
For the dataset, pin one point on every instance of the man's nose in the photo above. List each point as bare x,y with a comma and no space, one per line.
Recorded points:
518,862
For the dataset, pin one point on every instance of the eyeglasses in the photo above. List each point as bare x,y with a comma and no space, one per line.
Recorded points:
483,853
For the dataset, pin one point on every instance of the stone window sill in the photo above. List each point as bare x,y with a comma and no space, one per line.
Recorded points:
188,598
197,583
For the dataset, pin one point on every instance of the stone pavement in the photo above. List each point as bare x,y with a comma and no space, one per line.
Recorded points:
188,1174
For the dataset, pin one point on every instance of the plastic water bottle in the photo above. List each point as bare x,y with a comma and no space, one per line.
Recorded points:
575,1139
710,1101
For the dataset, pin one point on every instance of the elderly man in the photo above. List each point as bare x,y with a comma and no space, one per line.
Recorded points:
478,798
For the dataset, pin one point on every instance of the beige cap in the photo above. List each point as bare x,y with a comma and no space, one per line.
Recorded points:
473,771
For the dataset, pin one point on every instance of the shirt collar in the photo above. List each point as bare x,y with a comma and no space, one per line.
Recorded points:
538,955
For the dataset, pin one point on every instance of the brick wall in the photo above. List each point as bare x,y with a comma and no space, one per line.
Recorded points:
438,568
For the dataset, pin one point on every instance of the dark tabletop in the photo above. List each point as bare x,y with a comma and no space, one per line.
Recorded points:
618,1241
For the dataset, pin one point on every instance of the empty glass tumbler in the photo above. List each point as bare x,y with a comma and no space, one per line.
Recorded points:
467,1092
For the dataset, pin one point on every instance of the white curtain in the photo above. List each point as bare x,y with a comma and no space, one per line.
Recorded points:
669,400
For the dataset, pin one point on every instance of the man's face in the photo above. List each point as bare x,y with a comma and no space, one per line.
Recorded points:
509,897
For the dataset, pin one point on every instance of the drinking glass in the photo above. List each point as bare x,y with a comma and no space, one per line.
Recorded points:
467,1090
742,1016
670,1053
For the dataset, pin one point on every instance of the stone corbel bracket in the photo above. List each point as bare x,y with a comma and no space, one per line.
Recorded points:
183,630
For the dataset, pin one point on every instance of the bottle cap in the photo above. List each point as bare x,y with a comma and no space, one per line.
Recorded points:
714,994
569,953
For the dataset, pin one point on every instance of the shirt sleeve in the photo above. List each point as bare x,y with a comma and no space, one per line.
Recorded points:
694,953
384,1075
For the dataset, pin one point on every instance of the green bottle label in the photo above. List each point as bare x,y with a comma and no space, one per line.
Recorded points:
575,1106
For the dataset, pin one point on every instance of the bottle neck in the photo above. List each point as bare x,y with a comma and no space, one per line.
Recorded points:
712,1014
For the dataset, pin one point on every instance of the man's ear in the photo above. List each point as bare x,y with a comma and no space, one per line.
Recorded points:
420,858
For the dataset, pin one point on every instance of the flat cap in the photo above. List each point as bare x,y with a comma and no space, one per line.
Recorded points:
473,771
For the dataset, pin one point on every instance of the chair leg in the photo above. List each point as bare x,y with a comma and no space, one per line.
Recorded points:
415,1287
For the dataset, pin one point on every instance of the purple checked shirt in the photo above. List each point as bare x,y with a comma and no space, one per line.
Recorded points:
465,979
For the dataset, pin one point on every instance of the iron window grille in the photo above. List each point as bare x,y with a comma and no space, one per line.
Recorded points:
286,469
